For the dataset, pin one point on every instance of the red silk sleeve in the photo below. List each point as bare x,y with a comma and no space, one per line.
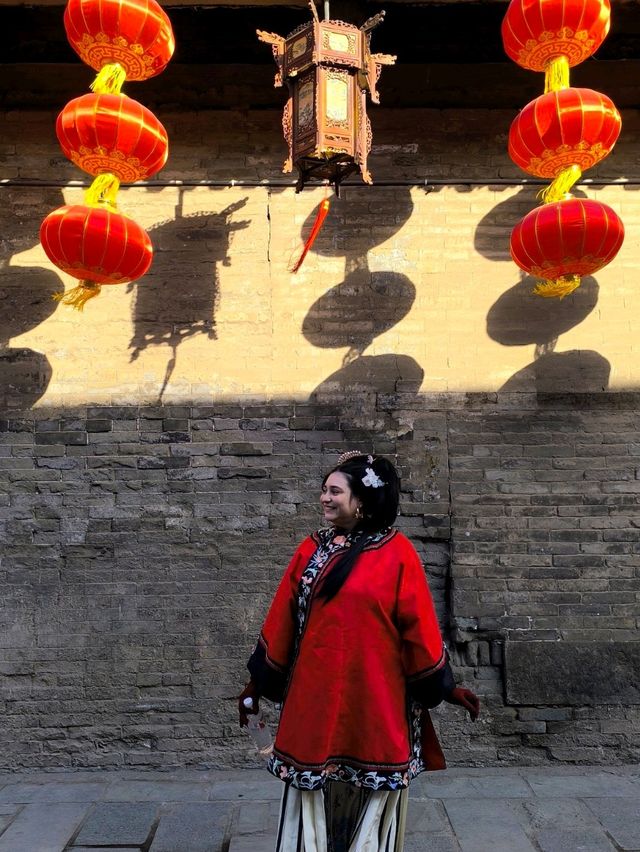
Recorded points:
423,651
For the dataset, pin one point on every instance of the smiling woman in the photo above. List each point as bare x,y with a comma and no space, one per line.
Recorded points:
339,506
352,648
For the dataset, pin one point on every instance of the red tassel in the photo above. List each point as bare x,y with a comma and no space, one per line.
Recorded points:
322,215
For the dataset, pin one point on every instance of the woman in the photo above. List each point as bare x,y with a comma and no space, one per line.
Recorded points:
352,648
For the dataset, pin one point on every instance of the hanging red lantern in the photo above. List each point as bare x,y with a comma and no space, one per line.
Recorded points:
112,137
561,128
562,241
552,36
134,35
561,134
112,134
97,245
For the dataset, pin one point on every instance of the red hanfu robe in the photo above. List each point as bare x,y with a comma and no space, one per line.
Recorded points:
346,668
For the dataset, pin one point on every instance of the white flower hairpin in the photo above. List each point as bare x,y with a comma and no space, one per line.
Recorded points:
371,479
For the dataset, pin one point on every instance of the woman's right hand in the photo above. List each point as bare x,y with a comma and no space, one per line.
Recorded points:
250,691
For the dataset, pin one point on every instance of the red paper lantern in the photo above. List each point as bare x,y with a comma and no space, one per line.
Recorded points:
112,133
562,241
97,245
535,32
136,34
564,128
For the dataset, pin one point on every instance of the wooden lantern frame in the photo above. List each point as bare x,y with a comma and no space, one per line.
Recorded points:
329,70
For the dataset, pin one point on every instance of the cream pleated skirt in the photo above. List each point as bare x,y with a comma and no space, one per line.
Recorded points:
342,818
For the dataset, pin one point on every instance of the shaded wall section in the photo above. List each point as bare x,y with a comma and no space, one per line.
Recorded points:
141,547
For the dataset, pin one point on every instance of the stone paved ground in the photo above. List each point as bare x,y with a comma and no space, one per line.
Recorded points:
542,809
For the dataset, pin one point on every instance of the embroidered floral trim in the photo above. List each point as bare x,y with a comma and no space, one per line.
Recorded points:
309,780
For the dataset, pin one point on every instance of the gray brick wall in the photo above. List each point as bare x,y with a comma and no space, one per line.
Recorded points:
141,547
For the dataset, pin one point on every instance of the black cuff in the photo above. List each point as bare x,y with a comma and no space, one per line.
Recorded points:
433,689
270,682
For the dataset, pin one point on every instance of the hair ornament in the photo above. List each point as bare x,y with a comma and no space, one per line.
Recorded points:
350,454
371,479
370,459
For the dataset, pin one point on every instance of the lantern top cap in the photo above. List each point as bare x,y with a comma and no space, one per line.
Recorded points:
535,32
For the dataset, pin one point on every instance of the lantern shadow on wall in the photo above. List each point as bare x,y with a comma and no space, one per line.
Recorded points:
520,318
367,304
27,293
178,297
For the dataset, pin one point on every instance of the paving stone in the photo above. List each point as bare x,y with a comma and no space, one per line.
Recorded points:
119,824
157,791
481,825
632,770
432,843
620,817
270,788
427,817
558,825
245,775
43,827
495,787
252,843
563,839
591,784
257,817
8,809
104,848
198,827
67,791
478,771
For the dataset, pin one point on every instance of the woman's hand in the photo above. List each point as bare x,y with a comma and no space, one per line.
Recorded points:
465,698
250,691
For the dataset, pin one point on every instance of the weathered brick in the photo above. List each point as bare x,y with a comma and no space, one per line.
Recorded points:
246,448
77,438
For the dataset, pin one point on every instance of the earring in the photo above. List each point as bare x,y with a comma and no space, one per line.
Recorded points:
359,513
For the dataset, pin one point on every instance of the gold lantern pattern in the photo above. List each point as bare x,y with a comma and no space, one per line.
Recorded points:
329,70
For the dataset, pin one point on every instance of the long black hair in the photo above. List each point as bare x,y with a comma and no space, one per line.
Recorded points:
379,509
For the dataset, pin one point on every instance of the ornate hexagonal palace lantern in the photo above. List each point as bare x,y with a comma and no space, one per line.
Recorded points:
329,69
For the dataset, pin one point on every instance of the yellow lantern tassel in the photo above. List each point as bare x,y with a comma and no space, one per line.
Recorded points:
562,183
110,79
78,296
556,74
103,190
557,288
